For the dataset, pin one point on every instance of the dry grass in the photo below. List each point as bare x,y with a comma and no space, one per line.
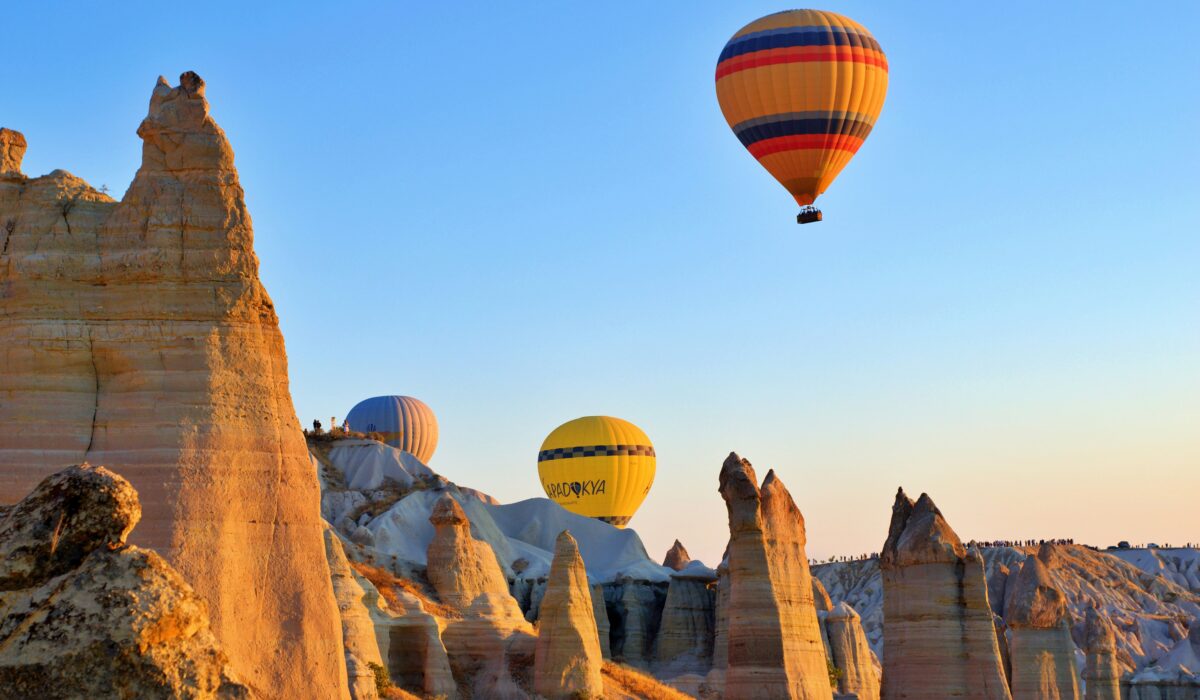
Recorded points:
388,583
639,684
398,693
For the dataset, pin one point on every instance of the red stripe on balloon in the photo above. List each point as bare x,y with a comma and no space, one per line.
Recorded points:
840,142
804,54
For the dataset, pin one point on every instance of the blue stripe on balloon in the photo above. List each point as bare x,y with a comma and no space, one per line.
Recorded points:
797,36
836,123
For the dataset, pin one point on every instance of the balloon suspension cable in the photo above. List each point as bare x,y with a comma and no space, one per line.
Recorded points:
808,215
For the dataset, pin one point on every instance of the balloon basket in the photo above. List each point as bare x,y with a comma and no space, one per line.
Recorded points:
808,215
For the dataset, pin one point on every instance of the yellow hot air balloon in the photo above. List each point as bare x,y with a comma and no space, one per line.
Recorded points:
801,90
598,466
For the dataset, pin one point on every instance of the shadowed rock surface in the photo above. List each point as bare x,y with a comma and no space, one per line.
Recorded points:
939,640
94,617
567,658
685,635
138,334
774,642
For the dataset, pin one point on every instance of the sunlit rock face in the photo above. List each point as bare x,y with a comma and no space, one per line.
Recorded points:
137,334
12,151
87,616
774,642
1041,651
358,629
939,640
567,658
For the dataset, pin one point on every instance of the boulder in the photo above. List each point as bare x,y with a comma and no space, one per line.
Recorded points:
774,642
1041,651
88,616
1101,671
138,333
939,640
567,658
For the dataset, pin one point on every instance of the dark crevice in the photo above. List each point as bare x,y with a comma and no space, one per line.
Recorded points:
96,404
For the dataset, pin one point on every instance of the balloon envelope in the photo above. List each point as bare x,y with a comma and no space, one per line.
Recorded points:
405,422
598,466
801,89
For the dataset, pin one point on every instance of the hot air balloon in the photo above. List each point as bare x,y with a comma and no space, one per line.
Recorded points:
801,90
598,466
405,422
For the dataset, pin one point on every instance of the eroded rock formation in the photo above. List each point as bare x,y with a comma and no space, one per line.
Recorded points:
12,151
1041,651
463,570
685,635
939,640
774,642
85,614
493,635
1101,671
677,556
567,658
138,334
851,654
358,629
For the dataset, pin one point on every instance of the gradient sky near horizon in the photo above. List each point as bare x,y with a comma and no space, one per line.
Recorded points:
524,214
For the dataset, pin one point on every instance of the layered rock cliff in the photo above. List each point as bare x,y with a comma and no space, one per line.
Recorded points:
938,637
567,658
774,643
138,334
1041,651
87,616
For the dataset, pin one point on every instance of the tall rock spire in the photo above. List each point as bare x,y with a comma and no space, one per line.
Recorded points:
137,334
939,640
774,642
567,659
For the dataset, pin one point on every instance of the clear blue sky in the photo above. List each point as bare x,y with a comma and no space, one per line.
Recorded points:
527,214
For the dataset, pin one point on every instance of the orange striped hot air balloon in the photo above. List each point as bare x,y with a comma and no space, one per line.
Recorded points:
801,90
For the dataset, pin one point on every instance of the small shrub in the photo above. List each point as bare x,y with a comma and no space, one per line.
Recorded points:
835,673
383,682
